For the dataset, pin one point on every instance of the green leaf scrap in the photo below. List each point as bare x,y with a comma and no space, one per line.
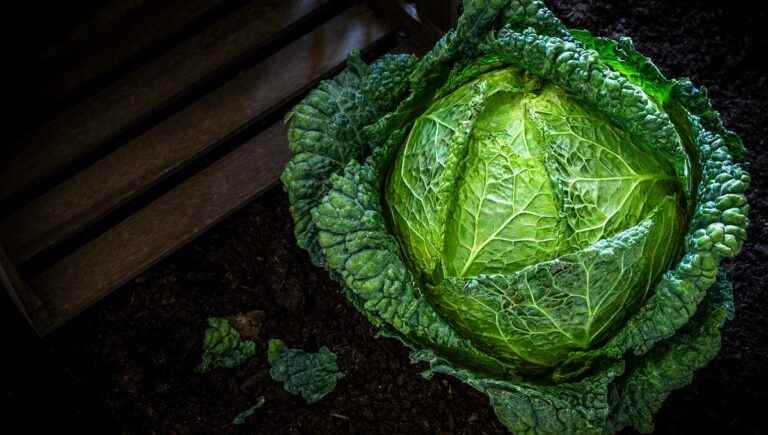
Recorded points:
223,347
243,416
310,375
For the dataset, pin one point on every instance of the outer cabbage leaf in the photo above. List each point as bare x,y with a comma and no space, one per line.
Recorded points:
359,249
616,395
456,46
550,308
716,231
424,173
670,365
504,212
325,131
606,183
524,14
580,72
623,58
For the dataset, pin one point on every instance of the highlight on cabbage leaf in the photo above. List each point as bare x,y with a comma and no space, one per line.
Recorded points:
536,211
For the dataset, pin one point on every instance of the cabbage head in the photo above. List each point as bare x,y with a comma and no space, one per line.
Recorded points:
536,211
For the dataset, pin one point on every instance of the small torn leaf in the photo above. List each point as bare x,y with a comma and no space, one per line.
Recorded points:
310,375
223,347
243,416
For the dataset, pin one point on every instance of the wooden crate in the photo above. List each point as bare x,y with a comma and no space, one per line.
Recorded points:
164,137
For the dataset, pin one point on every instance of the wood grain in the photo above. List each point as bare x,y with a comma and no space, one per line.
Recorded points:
152,157
154,232
83,128
421,34
172,220
21,295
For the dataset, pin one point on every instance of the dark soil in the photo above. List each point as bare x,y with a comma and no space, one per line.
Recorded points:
127,364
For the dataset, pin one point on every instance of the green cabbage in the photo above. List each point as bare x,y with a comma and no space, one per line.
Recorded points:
536,211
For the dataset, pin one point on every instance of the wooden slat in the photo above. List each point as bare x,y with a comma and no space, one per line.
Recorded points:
157,230
421,36
93,22
119,177
419,43
103,50
422,33
441,13
165,225
17,290
83,128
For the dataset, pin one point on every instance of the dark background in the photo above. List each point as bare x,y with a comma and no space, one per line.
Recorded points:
126,365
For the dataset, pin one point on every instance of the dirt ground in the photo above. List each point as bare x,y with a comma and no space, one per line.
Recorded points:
127,364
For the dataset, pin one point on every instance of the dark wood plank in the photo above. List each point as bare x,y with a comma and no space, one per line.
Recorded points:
157,230
100,49
418,43
150,158
93,21
90,273
420,37
441,13
83,128
17,290
422,33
